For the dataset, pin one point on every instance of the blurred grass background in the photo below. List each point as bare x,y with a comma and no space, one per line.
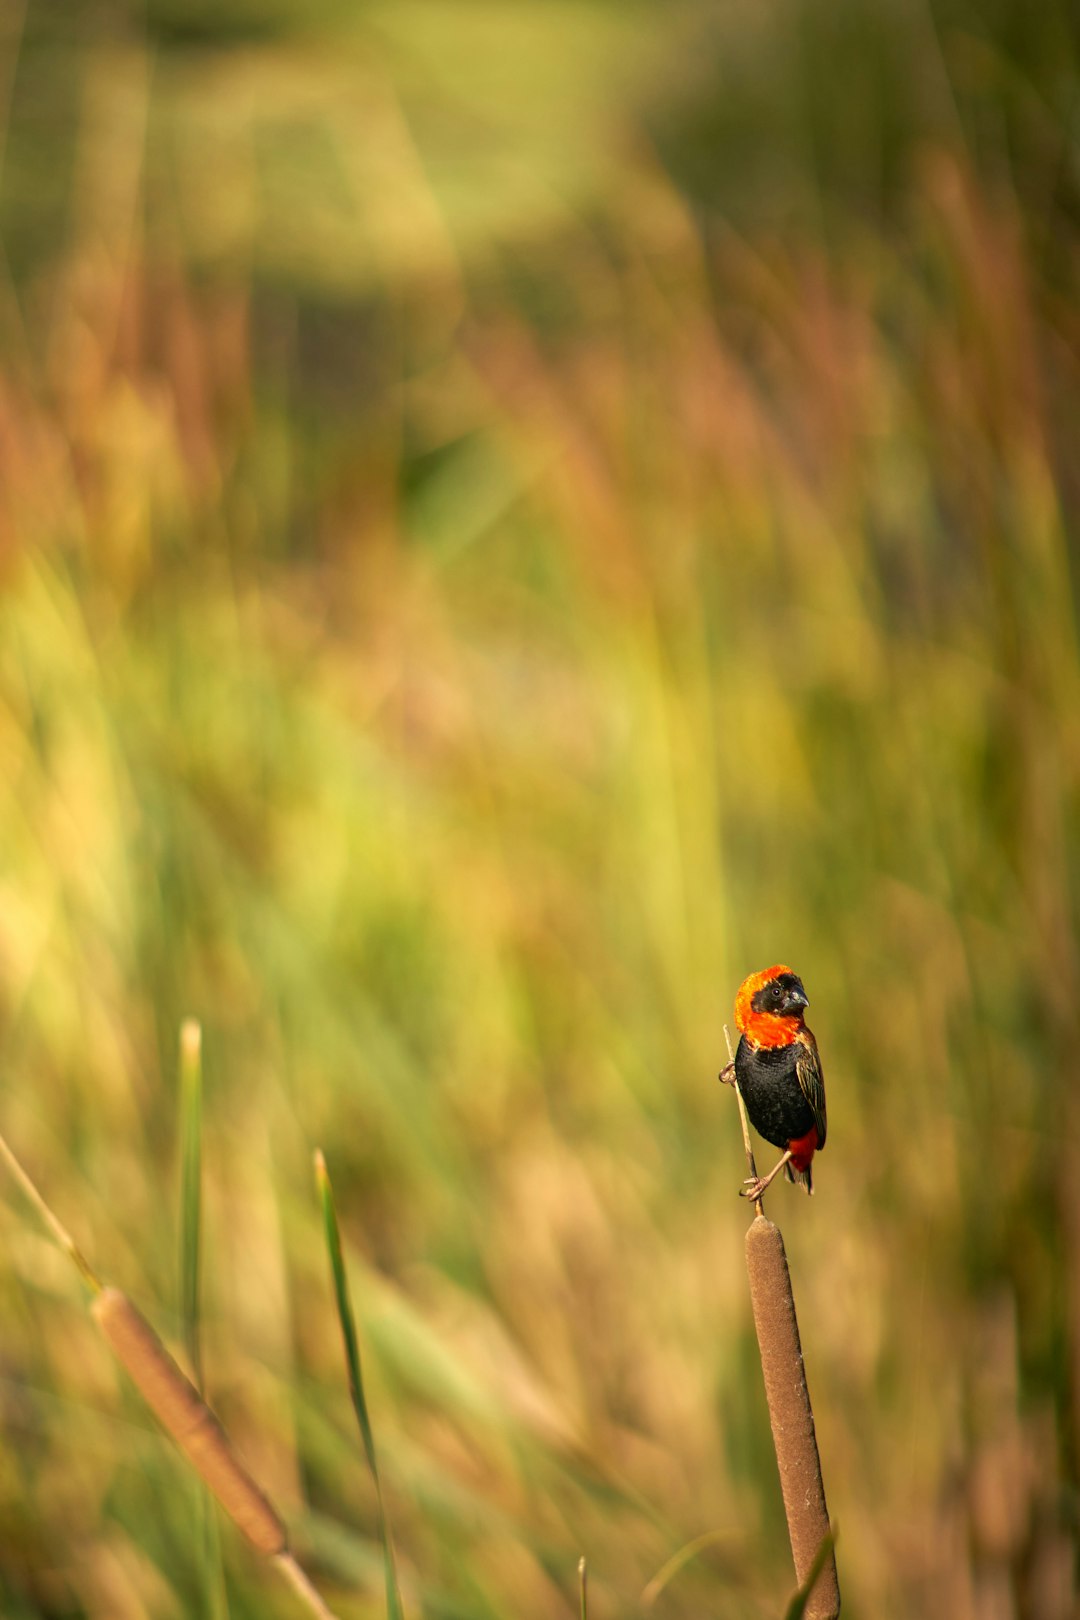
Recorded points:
513,516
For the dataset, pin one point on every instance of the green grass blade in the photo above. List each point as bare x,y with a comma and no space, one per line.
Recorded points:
191,1192
797,1607
677,1562
208,1529
356,1381
214,1589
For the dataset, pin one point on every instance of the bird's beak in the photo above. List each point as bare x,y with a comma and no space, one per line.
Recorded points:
794,1002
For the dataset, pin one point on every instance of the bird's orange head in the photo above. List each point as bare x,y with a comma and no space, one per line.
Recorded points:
769,1006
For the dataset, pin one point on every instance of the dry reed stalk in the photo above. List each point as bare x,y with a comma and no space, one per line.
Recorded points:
790,1413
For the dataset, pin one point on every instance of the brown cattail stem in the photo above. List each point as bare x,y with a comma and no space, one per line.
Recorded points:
790,1413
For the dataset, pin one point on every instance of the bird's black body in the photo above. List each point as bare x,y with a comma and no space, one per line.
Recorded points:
775,1101
778,1072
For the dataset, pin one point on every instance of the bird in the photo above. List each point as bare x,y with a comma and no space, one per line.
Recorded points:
778,1071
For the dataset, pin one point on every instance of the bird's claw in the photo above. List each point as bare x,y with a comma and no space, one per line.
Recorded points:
752,1188
726,1076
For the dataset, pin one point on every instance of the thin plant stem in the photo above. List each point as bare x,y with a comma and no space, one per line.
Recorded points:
302,1586
191,1192
354,1374
207,1529
678,1560
759,1205
59,1231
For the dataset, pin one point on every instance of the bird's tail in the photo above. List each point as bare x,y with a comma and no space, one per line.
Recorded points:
806,1177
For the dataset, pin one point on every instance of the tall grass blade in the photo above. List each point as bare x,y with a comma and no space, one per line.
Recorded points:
678,1560
191,1091
394,1607
191,1191
796,1609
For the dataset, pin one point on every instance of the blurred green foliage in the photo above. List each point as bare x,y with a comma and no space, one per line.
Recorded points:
511,517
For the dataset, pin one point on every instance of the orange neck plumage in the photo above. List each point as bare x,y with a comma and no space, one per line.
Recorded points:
764,1028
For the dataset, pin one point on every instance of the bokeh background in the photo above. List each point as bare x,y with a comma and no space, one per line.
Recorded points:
512,516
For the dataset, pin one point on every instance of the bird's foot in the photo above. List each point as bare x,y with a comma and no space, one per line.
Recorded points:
726,1076
753,1187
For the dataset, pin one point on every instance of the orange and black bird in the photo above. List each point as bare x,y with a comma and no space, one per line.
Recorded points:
779,1073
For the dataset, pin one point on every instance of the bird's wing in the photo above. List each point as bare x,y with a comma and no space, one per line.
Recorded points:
811,1080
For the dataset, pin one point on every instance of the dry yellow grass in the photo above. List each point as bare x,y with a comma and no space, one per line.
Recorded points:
447,689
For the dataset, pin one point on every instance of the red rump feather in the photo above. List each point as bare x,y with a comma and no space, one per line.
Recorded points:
803,1150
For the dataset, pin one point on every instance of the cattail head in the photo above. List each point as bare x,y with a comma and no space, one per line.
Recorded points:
790,1414
181,1410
